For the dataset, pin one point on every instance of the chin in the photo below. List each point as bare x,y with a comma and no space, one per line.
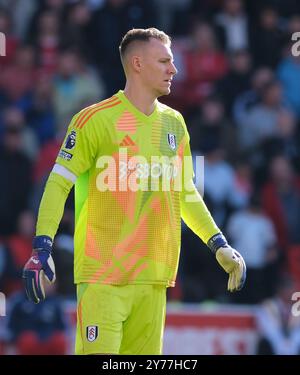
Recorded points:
162,92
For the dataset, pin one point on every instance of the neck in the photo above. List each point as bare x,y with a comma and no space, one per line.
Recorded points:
142,99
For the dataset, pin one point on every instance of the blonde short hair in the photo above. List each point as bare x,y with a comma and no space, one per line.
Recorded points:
142,35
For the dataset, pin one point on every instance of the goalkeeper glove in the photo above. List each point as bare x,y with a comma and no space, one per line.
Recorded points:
230,260
39,265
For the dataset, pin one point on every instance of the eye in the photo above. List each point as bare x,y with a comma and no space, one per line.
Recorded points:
165,59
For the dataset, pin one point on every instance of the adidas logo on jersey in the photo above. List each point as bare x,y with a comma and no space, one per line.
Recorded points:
127,141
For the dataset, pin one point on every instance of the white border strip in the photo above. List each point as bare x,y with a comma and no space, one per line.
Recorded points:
62,171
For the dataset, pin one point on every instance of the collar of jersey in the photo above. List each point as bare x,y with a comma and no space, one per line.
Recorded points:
140,115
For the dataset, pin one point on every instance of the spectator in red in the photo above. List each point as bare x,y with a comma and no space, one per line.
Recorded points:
18,78
46,159
281,201
19,246
47,41
203,64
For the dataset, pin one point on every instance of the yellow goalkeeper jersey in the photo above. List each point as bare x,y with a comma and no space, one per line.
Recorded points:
127,193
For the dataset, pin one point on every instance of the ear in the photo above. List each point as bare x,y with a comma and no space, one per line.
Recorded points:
136,63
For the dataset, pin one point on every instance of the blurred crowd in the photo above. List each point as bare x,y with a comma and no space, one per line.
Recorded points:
238,89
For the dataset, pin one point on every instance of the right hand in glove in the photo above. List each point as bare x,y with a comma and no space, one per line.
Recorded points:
40,266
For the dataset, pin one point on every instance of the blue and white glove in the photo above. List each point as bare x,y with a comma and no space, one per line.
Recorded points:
230,260
39,266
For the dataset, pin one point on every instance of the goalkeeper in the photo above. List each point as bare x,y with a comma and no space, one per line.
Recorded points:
127,224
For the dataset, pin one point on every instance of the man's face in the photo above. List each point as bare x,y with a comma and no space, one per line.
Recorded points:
157,67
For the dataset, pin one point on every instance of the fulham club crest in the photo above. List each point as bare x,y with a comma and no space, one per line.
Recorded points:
91,333
172,141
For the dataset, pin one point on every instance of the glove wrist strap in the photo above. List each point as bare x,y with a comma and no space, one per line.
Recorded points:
40,243
217,241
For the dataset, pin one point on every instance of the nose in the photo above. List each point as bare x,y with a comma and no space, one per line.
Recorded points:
173,69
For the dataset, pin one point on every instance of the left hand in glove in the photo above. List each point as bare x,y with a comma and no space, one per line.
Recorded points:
230,260
233,263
